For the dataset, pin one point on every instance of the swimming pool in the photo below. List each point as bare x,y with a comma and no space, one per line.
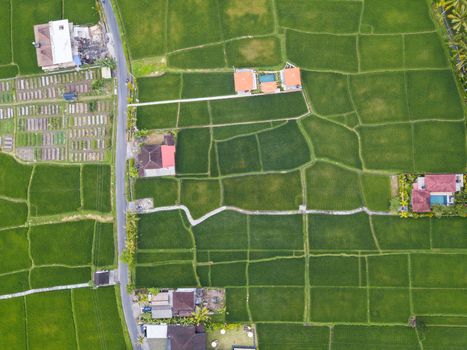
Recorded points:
436,199
267,78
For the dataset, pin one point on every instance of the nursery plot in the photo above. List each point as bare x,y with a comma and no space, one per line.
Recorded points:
14,247
55,189
328,92
376,191
239,155
350,232
338,304
439,146
334,271
389,305
163,191
323,135
96,187
254,52
211,56
264,192
379,52
320,16
322,51
12,213
165,87
276,232
332,187
381,150
424,51
288,303
396,16
164,230
144,23
240,18
258,108
283,147
433,94
395,234
63,243
380,97
191,159
200,196
14,182
184,29
157,116
272,336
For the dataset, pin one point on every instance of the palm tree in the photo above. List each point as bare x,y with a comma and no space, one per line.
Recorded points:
458,18
200,315
140,340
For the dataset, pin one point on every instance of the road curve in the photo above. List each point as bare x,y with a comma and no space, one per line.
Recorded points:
120,163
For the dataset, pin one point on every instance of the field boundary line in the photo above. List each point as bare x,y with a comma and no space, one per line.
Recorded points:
41,290
73,313
198,99
195,222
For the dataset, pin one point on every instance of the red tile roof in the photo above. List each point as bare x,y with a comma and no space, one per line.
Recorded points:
292,76
440,183
268,87
244,81
168,156
420,201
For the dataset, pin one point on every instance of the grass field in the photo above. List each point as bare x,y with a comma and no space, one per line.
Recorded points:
378,98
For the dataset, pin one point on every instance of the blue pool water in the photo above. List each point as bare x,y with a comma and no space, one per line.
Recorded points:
267,78
438,200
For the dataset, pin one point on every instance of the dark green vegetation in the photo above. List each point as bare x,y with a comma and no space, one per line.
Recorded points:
96,187
378,99
82,318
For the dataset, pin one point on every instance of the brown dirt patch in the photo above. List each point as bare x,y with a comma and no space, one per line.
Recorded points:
257,48
242,8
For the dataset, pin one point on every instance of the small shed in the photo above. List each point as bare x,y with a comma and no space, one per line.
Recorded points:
70,96
101,278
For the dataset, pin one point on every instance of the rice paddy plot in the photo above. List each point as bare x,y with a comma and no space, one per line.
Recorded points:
163,191
14,247
288,303
424,51
207,84
239,155
157,116
12,213
191,159
236,304
13,324
271,336
14,179
456,239
231,274
254,52
5,27
335,271
388,270
276,232
389,305
193,114
14,283
338,304
376,191
206,57
166,276
96,187
439,270
165,87
200,196
51,276
379,52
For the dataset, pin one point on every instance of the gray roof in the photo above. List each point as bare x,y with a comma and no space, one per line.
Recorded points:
161,312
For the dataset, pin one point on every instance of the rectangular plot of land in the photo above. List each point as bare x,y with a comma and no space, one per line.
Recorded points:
198,58
434,301
153,258
12,213
289,272
283,148
163,191
5,27
14,246
424,51
193,114
58,331
378,52
445,337
258,108
322,51
381,150
274,336
14,283
64,243
13,324
251,52
104,247
14,179
326,17
324,192
347,232
334,271
433,94
380,97
96,187
439,146
164,230
226,230
51,276
165,87
396,234
388,271
389,305
338,304
207,84
264,192
157,116
449,232
287,303
55,190
191,159
233,274
376,191
236,300
239,155
276,232
200,196
346,337
439,270
166,276
228,256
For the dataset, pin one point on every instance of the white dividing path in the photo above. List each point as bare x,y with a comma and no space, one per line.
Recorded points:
42,290
198,99
195,222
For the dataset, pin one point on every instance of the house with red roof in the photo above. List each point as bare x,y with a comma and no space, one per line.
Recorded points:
245,81
157,159
291,79
435,189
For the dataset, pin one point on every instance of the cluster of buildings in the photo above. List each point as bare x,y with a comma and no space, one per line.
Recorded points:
157,157
435,189
61,44
250,81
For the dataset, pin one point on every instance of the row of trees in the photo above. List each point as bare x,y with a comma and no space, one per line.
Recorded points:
455,12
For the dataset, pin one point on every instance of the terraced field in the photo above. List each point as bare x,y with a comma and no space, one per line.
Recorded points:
379,98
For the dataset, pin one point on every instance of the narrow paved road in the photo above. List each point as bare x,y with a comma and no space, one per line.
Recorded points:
120,163
42,290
